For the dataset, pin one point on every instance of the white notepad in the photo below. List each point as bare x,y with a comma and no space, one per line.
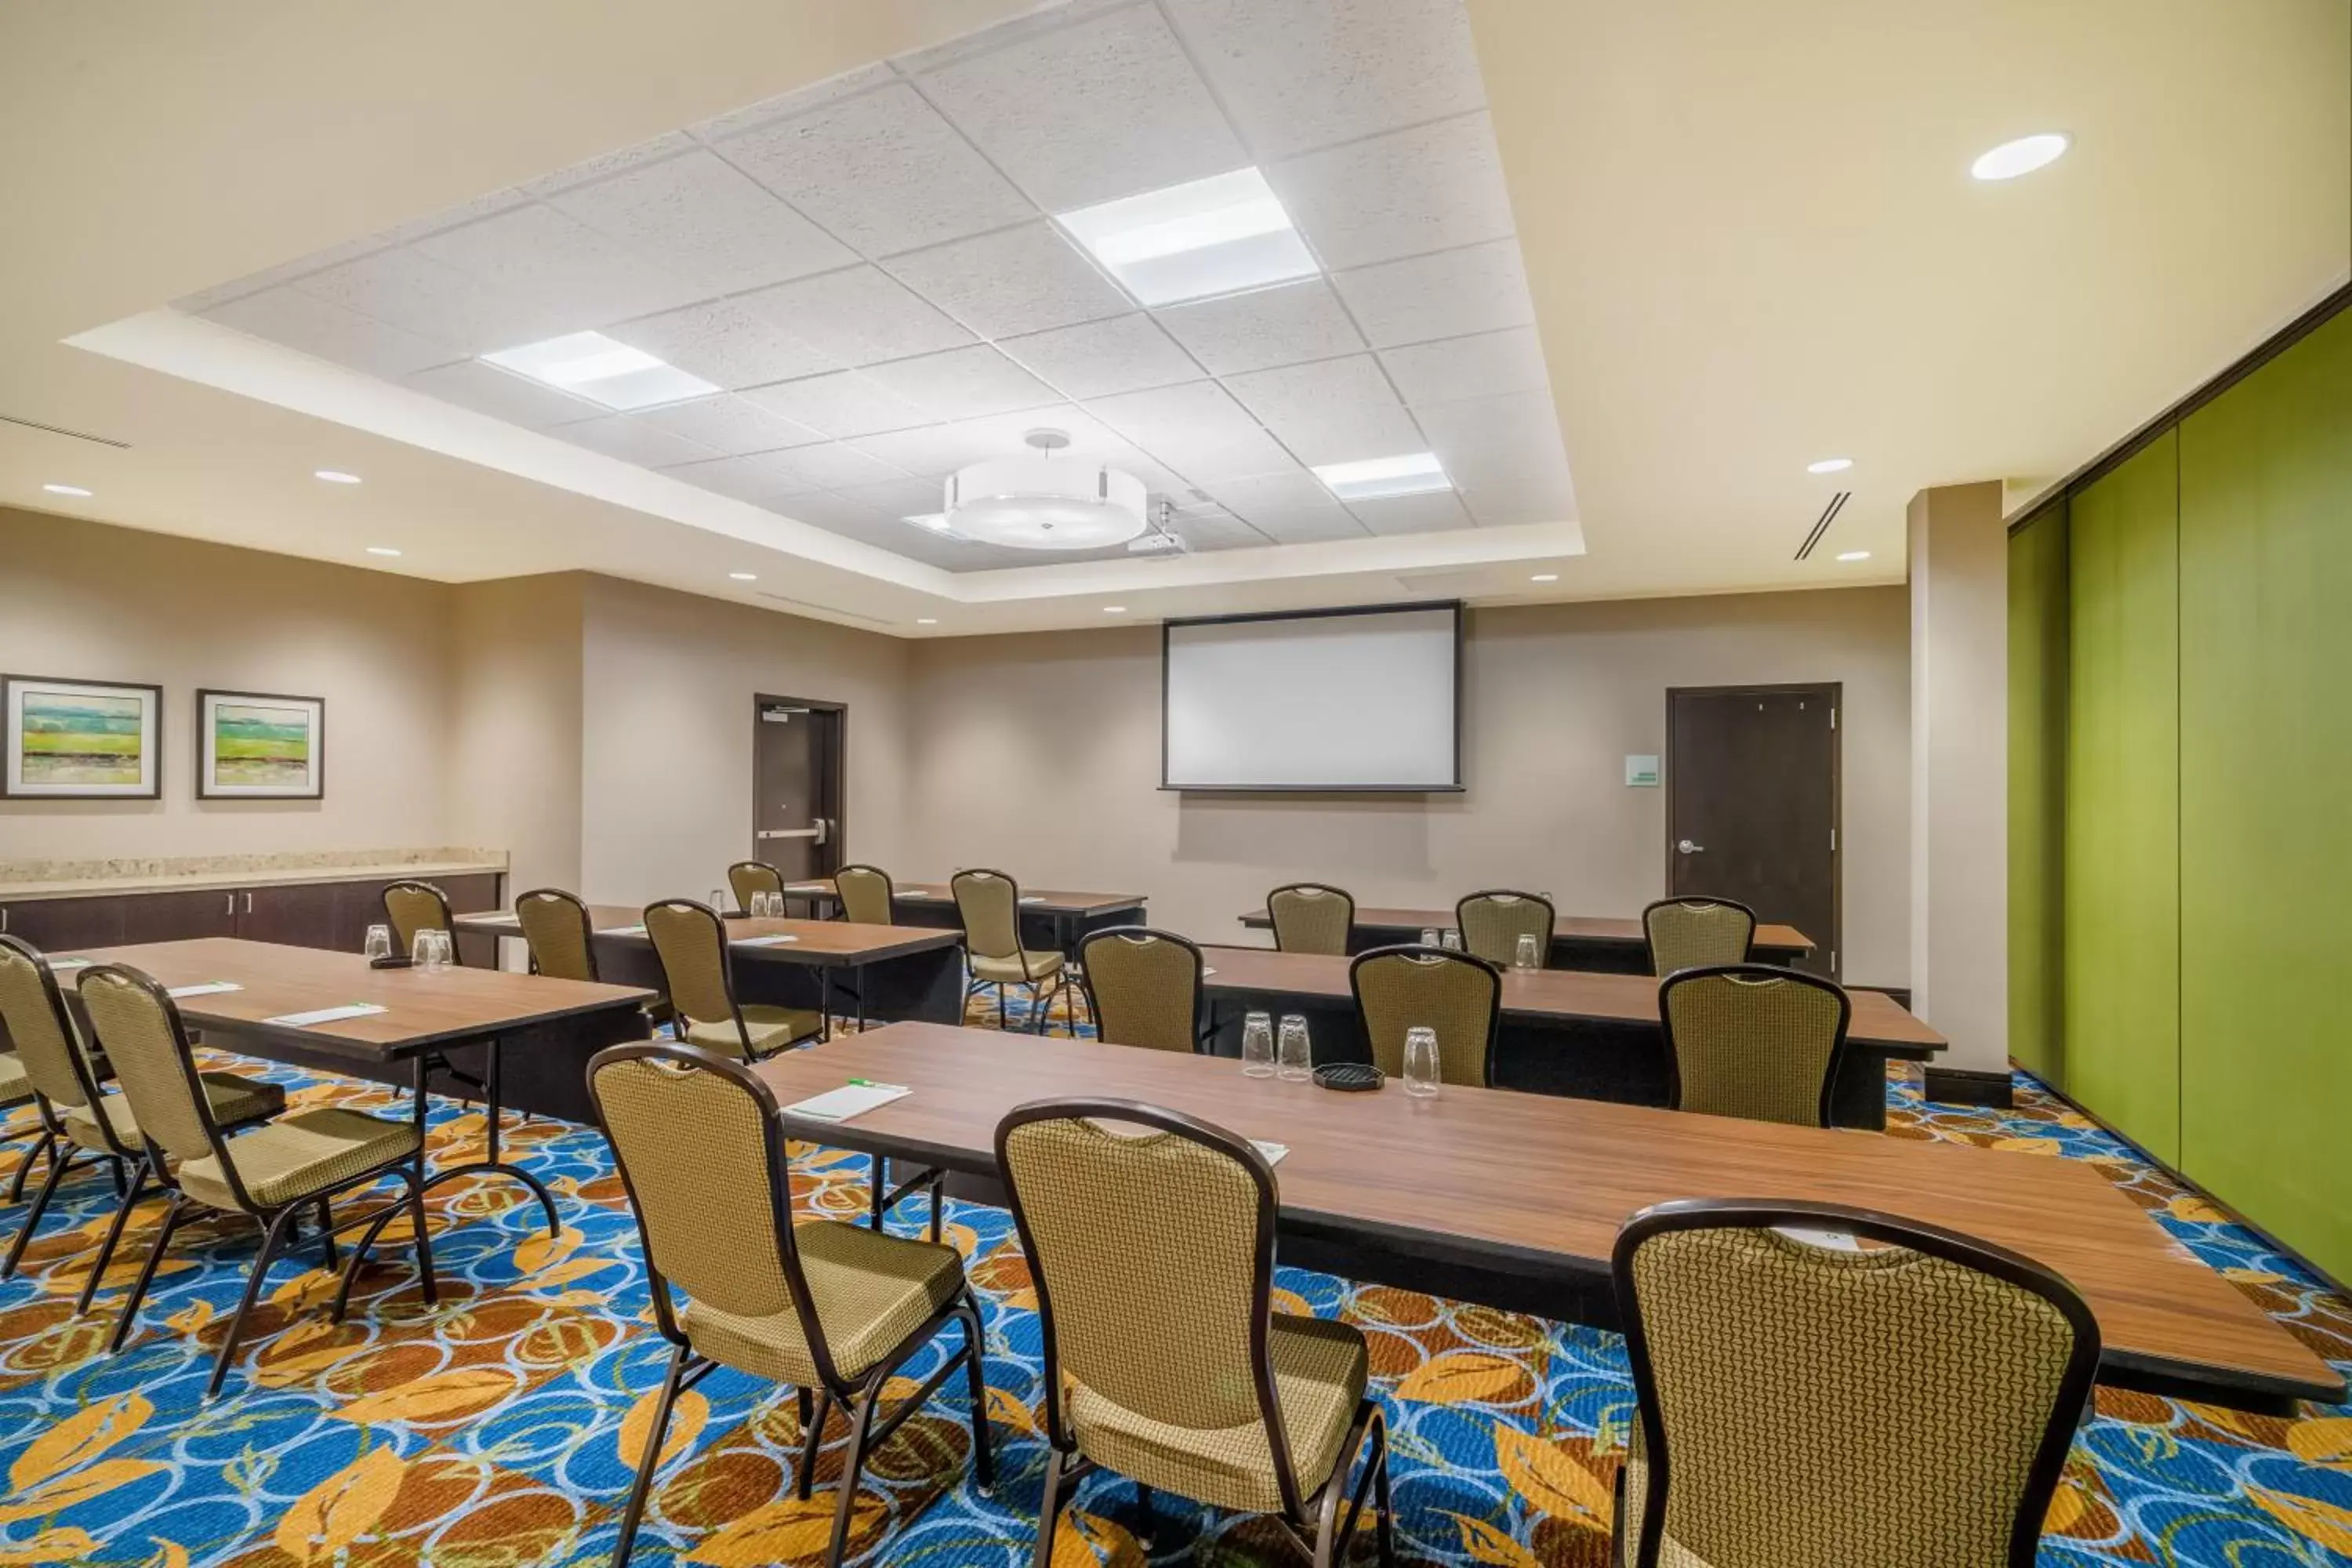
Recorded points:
850,1100
622,931
1206,972
762,940
209,988
326,1014
1272,1151
916,893
495,919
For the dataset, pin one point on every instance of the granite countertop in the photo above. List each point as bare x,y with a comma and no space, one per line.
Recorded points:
100,878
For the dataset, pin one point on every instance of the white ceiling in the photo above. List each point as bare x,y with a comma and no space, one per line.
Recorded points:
869,270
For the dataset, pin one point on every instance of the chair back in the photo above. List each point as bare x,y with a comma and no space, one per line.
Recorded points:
1143,987
1460,996
34,1013
989,905
1151,1241
746,878
1308,917
714,1206
1749,1039
866,896
138,1026
690,941
556,927
1691,933
1491,923
1803,1403
413,907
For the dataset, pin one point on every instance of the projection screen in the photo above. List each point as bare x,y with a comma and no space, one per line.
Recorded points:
1344,700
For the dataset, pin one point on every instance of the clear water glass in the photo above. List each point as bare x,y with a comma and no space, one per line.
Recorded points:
444,949
379,942
1452,940
1526,956
1258,1045
1421,1061
1297,1055
764,905
1429,937
420,947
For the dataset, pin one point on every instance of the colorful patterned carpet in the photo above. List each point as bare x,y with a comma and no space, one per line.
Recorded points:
499,1431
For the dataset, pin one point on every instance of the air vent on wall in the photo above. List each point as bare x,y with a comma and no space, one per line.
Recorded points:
61,430
829,610
1829,516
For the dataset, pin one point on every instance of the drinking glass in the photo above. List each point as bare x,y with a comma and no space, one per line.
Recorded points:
1421,1061
420,948
1298,1056
1258,1045
763,906
379,942
1526,956
1452,940
1429,937
445,950
720,902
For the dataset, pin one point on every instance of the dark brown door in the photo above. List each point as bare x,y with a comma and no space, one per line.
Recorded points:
179,917
295,914
796,786
1752,805
55,925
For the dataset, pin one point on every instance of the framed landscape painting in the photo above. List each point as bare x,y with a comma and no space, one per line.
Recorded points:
252,745
81,739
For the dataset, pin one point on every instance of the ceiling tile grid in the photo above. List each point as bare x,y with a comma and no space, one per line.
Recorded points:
869,271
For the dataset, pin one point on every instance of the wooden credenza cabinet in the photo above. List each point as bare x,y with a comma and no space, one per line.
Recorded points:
330,914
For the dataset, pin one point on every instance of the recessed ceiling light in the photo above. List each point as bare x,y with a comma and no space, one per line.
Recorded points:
1853,554
1410,474
381,549
66,489
1545,577
2021,156
744,576
1829,466
335,476
1114,609
927,620
1208,236
602,369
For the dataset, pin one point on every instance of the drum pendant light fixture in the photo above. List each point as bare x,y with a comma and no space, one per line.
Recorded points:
1038,503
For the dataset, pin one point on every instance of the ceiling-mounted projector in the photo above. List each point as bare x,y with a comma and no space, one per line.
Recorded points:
1036,503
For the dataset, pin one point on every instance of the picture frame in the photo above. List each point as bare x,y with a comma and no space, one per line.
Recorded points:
81,739
260,745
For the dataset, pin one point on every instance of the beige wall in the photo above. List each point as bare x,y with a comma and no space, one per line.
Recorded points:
1041,755
79,600
513,773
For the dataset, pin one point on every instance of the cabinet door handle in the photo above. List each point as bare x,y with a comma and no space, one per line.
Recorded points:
249,903
232,905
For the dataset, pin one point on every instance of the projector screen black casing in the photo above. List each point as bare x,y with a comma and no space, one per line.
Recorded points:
1455,787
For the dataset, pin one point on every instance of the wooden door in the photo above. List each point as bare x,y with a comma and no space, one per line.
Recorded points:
299,914
56,925
796,786
178,917
1752,805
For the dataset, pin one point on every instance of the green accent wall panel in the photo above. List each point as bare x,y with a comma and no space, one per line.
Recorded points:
2121,867
2266,795
2037,793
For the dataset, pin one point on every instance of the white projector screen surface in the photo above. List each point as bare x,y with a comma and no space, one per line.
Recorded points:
1360,701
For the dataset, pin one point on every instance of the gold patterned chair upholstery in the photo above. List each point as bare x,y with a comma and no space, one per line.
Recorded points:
562,936
989,903
1803,1400
294,1164
1150,1235
1492,923
77,1116
1459,995
746,878
1143,987
1694,934
831,1309
412,907
1308,917
1754,1040
865,895
690,941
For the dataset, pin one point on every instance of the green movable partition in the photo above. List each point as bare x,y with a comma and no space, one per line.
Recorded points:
2037,793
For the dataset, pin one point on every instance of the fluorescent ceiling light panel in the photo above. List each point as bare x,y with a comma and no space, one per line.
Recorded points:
1412,474
1216,235
602,370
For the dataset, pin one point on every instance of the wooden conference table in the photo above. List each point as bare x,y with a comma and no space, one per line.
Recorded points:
1539,1186
1565,1031
1051,918
894,972
1598,943
525,1039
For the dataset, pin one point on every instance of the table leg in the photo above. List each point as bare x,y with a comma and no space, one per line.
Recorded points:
491,1164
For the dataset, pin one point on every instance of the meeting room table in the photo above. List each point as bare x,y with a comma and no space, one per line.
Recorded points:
1536,1186
1564,1031
1603,944
1052,919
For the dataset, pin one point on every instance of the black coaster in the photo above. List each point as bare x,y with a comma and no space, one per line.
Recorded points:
1348,1077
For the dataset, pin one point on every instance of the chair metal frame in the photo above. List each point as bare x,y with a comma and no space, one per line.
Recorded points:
757,868
2075,1386
1274,922
1551,920
1310,1521
1041,1000
859,1397
1759,971
1416,950
726,978
1649,948
1203,1027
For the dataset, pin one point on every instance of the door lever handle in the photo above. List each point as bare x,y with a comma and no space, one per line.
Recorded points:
1688,848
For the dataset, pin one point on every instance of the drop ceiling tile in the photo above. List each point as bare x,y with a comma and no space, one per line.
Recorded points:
621,160
417,294
1485,364
964,383
1432,187
633,440
1217,531
708,221
568,268
1087,114
502,395
841,405
1320,390
899,497
756,479
937,450
483,205
205,300
730,426
800,101
858,316
1521,500
1252,494
1307,73
1196,429
725,343
1017,280
307,322
1309,524
1126,353
881,171
1434,513
1480,288
835,465
1266,327
1505,457
1002,35
1351,437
